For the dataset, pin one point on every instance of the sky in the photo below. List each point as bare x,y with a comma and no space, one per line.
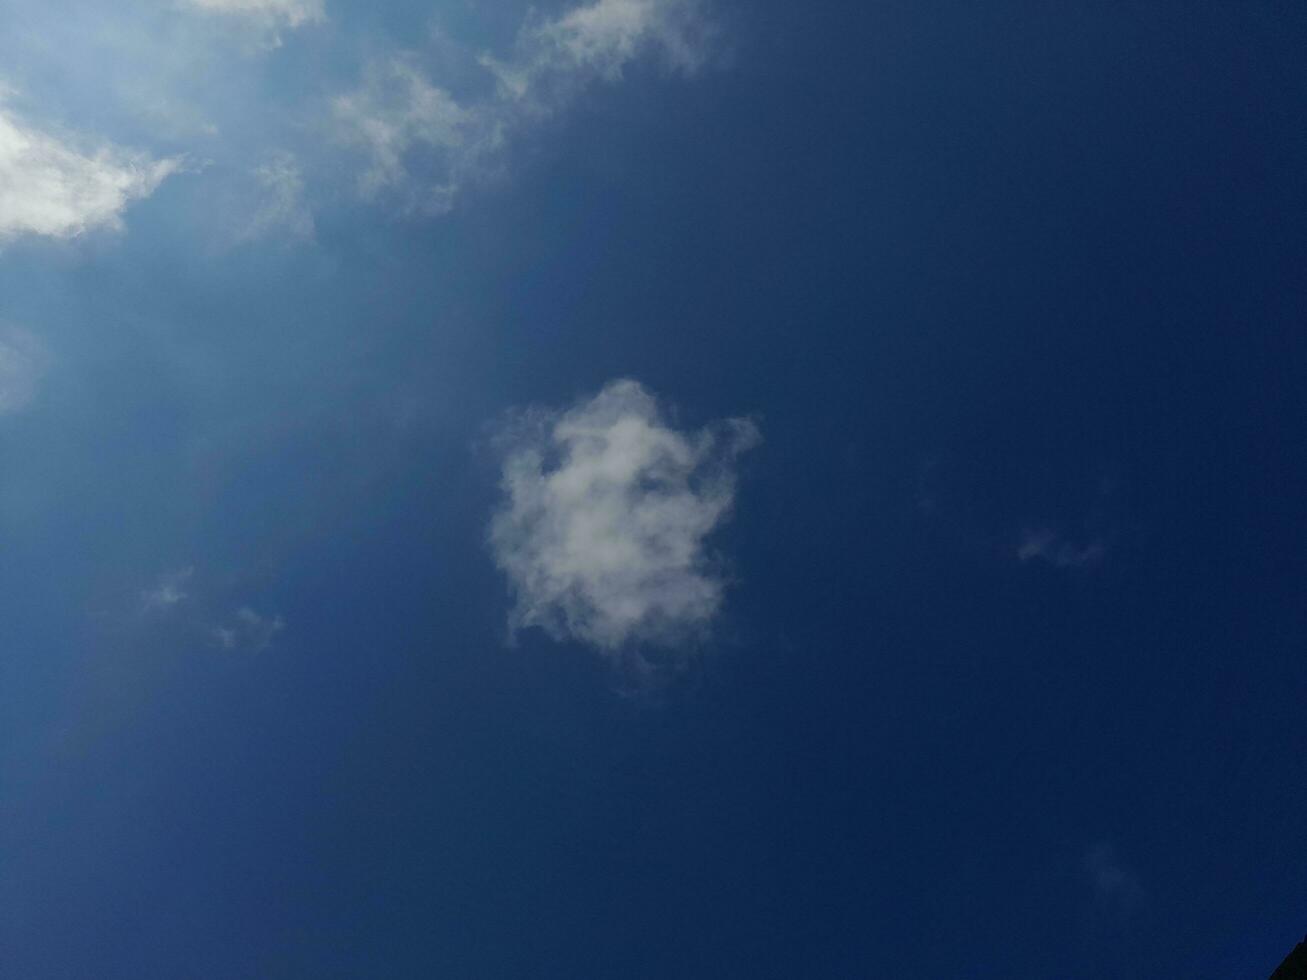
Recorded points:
652,488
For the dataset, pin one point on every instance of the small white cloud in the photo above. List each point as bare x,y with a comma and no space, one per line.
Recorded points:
22,365
292,13
49,187
607,509
1043,544
248,630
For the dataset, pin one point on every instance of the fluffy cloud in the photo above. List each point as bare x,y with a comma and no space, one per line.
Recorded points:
602,532
22,363
49,187
290,12
424,144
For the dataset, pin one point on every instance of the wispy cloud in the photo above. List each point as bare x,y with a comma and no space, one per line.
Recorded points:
175,598
1045,545
133,84
22,364
607,509
395,113
424,144
248,630
1117,888
292,13
604,36
281,207
169,591
50,186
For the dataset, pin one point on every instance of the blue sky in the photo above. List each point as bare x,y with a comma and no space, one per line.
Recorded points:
652,488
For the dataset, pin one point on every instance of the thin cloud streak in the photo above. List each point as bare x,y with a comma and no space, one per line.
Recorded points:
22,365
424,145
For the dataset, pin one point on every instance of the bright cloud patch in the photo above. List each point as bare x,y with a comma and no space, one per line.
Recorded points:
50,188
607,510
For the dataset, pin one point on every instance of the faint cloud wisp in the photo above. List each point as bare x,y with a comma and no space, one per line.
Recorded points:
175,599
1046,545
424,144
169,592
248,630
22,365
1117,889
281,208
292,13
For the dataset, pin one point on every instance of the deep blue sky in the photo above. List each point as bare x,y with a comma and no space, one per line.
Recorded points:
1010,674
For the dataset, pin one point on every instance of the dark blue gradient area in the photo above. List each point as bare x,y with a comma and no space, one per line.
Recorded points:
1011,678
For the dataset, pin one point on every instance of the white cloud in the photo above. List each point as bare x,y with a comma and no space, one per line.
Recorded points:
602,532
49,187
1043,544
293,13
22,365
425,144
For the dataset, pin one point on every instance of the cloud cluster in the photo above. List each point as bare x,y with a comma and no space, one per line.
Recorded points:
424,144
174,599
22,364
52,188
606,512
417,126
